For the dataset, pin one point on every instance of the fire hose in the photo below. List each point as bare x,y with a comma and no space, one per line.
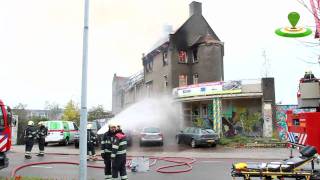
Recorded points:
179,161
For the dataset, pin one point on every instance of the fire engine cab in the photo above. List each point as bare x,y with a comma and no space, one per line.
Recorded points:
5,133
304,127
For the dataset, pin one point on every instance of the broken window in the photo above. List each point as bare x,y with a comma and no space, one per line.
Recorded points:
165,58
183,58
195,78
183,80
195,55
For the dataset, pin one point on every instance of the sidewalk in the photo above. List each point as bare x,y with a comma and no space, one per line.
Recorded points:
219,152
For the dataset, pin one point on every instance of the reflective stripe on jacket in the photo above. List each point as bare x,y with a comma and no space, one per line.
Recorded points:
119,145
106,143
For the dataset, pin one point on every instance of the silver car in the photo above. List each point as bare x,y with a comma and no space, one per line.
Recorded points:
151,135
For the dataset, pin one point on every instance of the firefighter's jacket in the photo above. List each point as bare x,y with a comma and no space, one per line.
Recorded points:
119,145
106,143
30,132
91,137
42,132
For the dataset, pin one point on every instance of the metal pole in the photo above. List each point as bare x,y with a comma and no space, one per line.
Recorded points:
83,117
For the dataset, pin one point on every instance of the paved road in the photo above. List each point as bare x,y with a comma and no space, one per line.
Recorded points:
203,168
212,163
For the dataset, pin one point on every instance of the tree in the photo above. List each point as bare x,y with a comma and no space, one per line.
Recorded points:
23,117
71,112
21,111
97,112
54,110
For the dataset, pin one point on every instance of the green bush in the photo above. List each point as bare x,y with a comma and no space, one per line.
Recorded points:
225,141
235,140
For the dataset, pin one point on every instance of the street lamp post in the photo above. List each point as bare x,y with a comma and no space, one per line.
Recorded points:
83,116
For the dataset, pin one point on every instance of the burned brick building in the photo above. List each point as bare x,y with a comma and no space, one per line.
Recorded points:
188,65
190,55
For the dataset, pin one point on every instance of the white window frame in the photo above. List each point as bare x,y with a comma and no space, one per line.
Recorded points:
165,58
195,78
165,81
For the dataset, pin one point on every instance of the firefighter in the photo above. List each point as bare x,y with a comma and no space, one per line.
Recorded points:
118,155
91,142
30,134
41,135
106,148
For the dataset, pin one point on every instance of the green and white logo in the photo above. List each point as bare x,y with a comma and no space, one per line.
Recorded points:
294,31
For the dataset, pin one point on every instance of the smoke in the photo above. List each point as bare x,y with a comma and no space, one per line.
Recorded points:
160,112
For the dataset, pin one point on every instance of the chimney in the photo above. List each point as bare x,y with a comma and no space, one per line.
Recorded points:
195,8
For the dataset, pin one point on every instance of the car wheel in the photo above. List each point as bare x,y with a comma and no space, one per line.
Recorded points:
178,140
141,144
193,143
161,143
213,145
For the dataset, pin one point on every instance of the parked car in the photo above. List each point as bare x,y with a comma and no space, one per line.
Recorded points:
195,136
62,132
151,135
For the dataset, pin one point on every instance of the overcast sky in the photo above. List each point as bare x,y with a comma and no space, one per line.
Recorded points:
41,44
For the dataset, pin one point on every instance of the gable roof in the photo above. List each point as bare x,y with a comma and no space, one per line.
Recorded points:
164,41
190,18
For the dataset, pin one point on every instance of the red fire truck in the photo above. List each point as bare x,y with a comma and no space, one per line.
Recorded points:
304,127
5,133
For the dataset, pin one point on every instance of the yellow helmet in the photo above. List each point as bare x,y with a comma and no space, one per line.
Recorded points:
30,123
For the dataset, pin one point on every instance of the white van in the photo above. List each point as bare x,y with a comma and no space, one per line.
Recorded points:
62,132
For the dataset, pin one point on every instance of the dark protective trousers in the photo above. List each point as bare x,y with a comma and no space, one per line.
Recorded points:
119,166
91,150
41,142
29,145
107,168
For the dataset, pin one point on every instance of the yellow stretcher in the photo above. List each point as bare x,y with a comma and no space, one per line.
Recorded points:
289,168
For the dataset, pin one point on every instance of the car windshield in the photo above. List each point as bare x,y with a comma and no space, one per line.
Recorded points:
206,131
151,130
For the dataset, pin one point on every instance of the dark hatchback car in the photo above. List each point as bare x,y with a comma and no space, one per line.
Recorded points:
195,136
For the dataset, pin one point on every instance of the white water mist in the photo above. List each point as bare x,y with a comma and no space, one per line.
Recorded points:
160,112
